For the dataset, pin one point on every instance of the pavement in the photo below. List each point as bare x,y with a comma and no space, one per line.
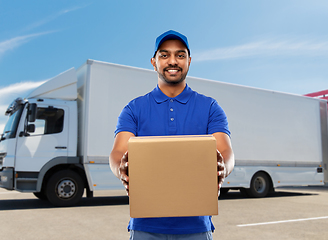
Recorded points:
289,213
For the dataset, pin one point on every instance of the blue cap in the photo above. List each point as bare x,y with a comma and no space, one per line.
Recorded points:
168,36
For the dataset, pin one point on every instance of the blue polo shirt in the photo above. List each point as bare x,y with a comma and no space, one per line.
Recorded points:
156,114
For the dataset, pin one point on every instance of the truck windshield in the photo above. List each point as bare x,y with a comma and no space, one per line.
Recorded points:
12,124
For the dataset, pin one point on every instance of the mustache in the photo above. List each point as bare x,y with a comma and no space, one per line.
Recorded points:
172,67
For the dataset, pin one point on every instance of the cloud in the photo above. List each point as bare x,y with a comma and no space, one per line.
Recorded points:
15,42
17,89
51,17
264,49
3,108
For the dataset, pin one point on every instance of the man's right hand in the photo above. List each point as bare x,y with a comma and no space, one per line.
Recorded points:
123,172
118,158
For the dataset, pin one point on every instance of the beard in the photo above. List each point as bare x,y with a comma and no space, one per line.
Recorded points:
175,82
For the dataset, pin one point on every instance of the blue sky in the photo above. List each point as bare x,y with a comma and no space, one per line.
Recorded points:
279,45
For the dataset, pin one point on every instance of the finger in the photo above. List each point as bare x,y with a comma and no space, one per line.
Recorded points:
221,170
221,180
125,157
125,183
219,188
219,156
123,172
124,178
221,165
124,166
220,185
221,173
126,186
124,163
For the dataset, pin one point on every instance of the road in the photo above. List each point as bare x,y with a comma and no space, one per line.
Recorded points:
290,213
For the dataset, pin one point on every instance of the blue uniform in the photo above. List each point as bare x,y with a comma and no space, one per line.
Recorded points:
156,114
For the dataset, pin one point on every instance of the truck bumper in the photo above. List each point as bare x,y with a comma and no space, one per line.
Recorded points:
7,178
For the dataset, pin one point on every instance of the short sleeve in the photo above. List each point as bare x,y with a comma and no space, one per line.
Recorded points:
218,121
126,121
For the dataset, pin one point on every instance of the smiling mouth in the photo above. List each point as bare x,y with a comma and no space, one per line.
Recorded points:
172,71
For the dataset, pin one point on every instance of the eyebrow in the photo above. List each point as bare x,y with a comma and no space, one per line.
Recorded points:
184,51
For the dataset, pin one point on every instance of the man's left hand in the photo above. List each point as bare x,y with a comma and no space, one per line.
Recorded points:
222,172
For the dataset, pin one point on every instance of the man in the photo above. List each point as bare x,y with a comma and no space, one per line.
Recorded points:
172,108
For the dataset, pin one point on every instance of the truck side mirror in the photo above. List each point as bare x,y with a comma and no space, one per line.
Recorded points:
31,128
31,112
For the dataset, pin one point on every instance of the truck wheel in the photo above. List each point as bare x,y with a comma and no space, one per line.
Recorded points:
260,185
65,188
40,195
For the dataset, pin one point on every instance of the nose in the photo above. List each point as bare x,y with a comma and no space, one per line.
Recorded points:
172,60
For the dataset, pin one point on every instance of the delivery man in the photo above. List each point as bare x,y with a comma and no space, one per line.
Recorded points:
172,108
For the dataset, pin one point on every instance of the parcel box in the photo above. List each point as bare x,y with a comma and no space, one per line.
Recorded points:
173,176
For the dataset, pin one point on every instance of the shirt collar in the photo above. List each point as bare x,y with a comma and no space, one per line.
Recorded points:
183,97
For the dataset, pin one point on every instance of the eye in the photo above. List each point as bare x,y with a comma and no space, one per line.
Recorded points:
181,56
163,55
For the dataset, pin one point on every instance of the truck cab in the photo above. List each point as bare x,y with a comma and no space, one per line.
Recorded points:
38,148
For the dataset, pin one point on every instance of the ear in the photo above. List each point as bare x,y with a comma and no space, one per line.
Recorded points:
153,62
189,61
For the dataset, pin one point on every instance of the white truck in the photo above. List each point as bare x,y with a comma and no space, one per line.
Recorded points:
57,140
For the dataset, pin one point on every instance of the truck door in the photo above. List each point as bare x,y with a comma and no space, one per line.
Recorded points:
47,139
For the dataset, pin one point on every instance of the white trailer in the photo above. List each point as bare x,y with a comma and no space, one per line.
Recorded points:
278,139
57,140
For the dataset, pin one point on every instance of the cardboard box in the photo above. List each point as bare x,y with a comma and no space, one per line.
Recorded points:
173,176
